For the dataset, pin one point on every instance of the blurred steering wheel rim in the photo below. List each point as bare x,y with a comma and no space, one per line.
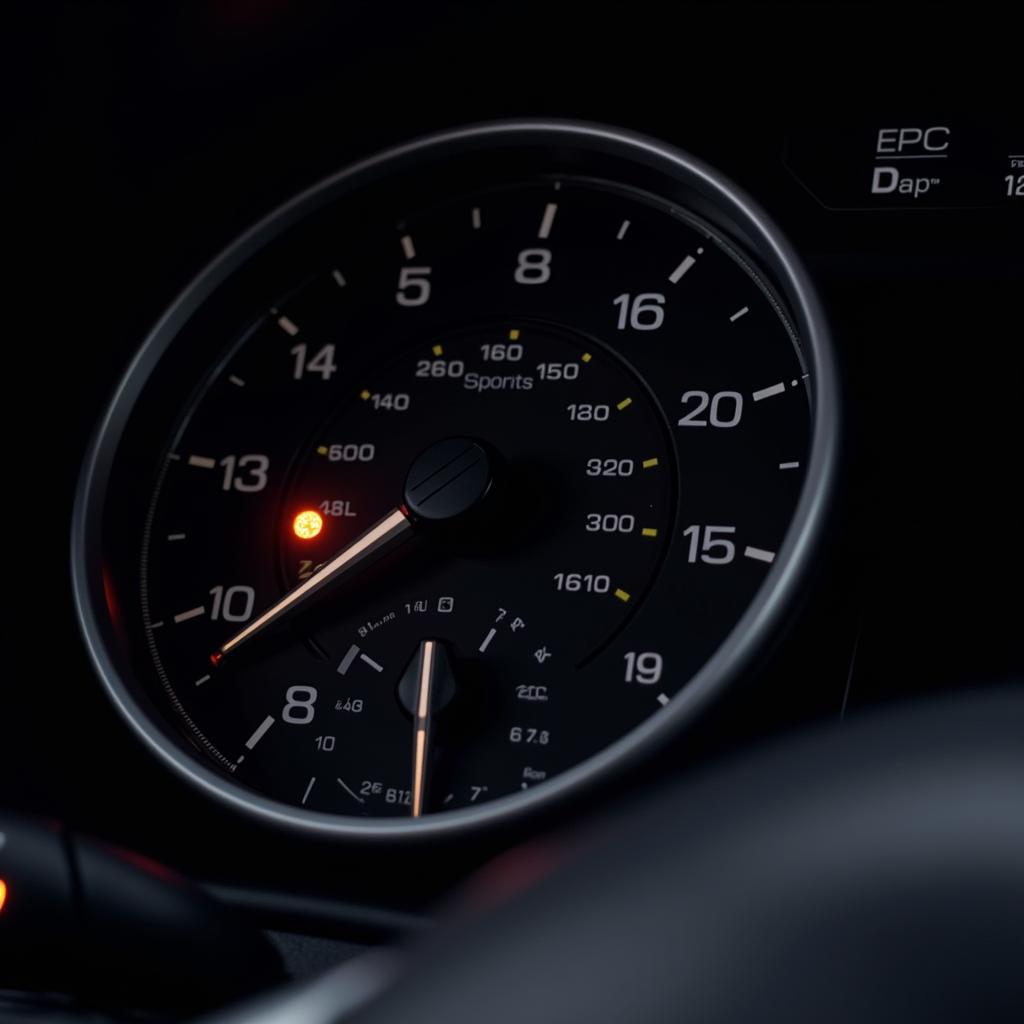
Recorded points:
868,871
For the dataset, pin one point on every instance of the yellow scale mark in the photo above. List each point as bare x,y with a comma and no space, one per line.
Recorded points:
437,350
649,463
649,531
586,357
621,594
513,335
625,403
364,394
321,449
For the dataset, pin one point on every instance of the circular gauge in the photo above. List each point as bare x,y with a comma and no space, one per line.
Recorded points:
460,481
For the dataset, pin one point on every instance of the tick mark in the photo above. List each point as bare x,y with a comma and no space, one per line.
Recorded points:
622,230
738,314
759,554
192,613
683,267
351,793
547,220
289,326
408,248
261,731
202,462
346,663
775,389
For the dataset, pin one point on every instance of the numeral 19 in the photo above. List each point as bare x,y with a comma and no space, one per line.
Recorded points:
643,667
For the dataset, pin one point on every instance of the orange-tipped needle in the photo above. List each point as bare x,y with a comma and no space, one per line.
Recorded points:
421,723
384,534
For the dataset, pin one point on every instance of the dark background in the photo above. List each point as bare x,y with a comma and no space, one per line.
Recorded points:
144,138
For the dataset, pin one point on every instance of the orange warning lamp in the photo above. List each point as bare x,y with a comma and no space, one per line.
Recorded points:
307,525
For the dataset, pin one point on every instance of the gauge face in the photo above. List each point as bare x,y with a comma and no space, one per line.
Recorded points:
444,492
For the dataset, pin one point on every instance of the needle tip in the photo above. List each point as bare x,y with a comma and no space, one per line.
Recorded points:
216,657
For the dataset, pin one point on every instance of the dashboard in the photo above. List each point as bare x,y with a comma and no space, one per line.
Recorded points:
469,419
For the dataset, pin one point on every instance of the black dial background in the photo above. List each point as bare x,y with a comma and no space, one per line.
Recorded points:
731,485
705,476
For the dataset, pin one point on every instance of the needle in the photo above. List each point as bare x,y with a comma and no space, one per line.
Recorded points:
446,479
386,533
421,723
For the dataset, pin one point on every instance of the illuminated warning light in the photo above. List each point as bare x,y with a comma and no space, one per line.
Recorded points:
3,893
308,524
513,335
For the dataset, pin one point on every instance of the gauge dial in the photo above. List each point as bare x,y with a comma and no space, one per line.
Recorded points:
460,483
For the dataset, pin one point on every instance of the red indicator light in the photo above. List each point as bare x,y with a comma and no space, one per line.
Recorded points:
307,525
